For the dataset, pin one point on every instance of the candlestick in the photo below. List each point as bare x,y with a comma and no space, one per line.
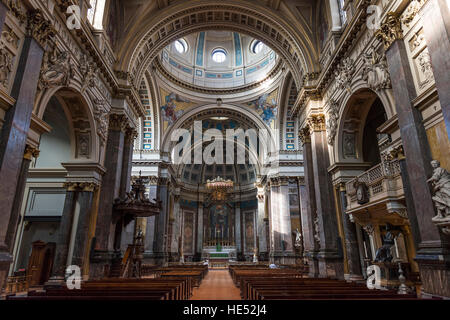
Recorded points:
365,250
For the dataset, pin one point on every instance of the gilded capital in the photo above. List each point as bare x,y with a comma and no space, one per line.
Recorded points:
317,122
30,152
390,30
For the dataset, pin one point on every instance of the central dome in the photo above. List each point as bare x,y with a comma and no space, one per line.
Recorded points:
218,59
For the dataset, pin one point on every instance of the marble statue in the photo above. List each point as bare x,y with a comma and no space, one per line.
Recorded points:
440,181
298,238
383,254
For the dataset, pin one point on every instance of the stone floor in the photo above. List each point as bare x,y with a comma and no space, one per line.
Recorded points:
217,285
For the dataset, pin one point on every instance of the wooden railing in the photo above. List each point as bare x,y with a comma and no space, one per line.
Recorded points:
17,284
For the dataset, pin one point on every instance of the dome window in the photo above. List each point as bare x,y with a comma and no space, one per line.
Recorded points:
257,46
181,46
219,55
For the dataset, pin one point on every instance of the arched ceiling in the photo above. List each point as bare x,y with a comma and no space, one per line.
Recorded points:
191,59
150,27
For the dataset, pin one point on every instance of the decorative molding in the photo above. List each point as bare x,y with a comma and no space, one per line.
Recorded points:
332,122
40,28
390,30
30,152
316,122
375,71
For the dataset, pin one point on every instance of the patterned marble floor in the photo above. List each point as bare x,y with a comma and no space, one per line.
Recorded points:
217,285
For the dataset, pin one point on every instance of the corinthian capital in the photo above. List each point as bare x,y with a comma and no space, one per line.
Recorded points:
317,122
390,30
39,28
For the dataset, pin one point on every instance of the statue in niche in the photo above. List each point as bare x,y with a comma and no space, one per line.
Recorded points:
298,238
56,70
440,181
383,254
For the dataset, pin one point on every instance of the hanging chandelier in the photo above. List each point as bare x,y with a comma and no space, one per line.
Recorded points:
219,188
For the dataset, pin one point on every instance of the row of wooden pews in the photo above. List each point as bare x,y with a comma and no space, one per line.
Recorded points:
169,283
262,283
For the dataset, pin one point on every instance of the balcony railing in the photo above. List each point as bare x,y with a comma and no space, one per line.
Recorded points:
380,179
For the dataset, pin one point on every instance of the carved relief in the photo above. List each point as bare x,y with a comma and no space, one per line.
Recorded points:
316,230
349,145
344,73
88,71
56,70
375,71
83,144
424,66
102,120
6,65
332,122
39,28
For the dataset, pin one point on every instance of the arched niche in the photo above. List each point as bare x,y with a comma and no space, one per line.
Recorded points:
362,113
78,111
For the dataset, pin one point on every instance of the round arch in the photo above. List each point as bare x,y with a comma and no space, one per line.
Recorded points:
79,111
355,107
139,50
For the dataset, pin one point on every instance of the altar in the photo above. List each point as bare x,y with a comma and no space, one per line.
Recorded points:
219,258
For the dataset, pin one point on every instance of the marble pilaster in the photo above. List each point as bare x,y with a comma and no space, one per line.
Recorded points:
436,25
13,140
200,228
81,248
105,231
237,228
351,242
260,221
432,247
161,244
330,260
308,205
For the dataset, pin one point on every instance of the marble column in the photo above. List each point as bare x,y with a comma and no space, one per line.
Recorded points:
415,143
30,153
200,229
285,222
150,227
125,184
260,221
308,206
276,233
85,202
161,223
436,25
15,128
237,228
330,259
351,242
64,234
432,255
105,230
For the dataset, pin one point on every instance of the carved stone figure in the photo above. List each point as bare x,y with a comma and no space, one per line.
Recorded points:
344,73
332,123
298,240
102,119
5,66
424,61
375,71
88,71
316,230
56,71
441,184
383,254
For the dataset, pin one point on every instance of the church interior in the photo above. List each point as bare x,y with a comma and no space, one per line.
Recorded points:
224,150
